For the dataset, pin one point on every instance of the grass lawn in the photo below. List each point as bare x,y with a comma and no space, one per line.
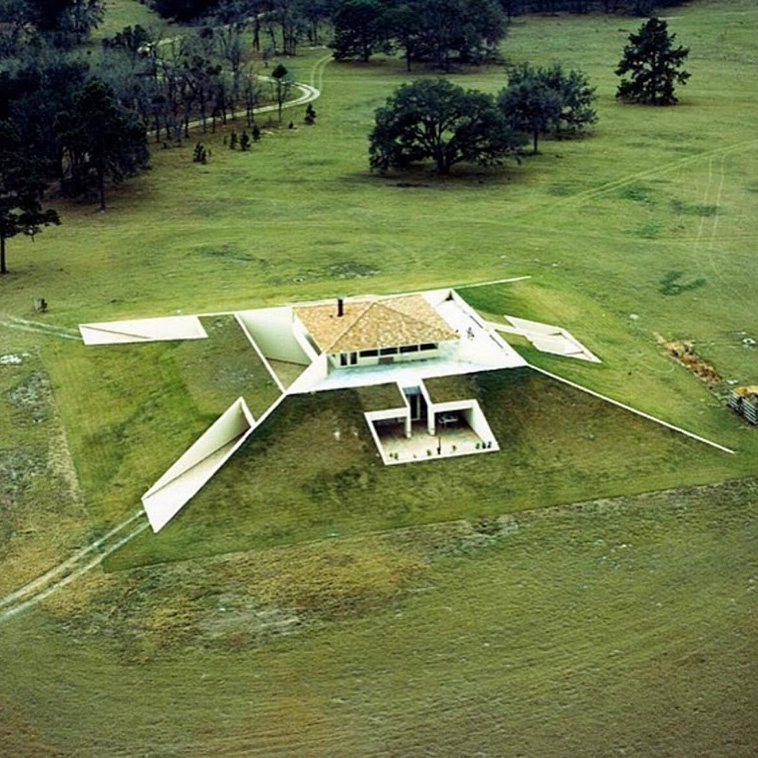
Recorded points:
380,397
623,625
445,389
312,470
433,609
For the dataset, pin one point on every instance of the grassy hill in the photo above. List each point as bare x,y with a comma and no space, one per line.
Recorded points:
452,613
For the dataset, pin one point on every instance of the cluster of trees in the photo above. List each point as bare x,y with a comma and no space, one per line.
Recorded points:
440,31
444,31
81,121
443,122
59,128
206,75
60,22
71,121
276,26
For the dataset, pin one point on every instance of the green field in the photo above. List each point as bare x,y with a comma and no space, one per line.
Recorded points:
311,601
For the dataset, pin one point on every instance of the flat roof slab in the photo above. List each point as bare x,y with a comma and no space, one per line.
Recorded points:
143,330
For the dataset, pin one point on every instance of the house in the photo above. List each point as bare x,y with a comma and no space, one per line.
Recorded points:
405,355
375,331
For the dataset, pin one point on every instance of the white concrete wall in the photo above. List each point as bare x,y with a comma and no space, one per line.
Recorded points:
476,419
313,375
430,421
454,405
310,348
143,330
435,297
401,414
259,352
272,330
197,465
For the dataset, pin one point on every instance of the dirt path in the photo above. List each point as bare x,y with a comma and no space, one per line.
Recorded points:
79,563
310,92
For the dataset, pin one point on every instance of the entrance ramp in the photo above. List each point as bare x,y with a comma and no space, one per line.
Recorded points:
547,338
198,464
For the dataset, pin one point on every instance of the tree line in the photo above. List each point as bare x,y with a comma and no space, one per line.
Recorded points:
439,31
444,32
63,23
71,123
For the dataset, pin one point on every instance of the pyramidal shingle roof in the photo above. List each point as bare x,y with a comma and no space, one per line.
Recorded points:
374,323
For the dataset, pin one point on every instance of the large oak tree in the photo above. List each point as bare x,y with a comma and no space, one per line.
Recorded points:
442,122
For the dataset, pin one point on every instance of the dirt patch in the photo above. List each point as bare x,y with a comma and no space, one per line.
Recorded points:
32,397
17,467
684,352
42,518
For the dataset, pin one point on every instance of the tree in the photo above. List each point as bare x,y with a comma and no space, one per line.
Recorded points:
230,48
577,98
200,154
65,21
654,63
360,28
441,121
466,29
131,39
407,29
244,142
100,139
22,184
32,96
15,27
544,100
531,107
183,10
283,81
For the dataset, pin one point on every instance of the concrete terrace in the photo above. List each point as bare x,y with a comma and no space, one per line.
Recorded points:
453,439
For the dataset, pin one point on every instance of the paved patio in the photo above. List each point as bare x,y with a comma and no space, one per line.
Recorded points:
455,438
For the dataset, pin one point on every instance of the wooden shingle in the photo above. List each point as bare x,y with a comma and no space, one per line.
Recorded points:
374,323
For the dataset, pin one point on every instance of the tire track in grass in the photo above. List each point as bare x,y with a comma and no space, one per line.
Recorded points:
64,573
704,249
35,327
624,181
316,79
